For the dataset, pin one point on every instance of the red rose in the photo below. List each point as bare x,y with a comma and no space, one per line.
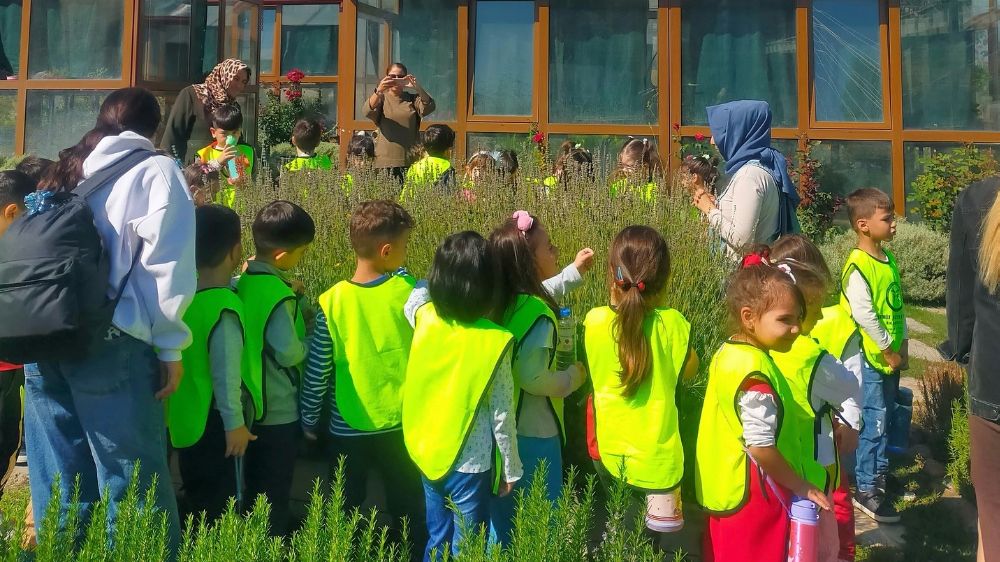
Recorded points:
677,127
538,138
291,95
699,137
295,75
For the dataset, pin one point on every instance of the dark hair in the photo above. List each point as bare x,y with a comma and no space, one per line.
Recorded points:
306,134
639,156
375,222
805,260
862,204
705,167
217,232
437,139
202,182
507,160
758,287
35,167
282,225
572,157
639,263
226,116
515,257
402,66
14,187
362,145
125,109
484,161
463,277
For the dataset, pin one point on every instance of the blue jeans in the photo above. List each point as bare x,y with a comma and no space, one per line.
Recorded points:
532,451
95,419
471,494
879,395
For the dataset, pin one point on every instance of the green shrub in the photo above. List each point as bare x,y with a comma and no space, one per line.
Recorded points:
960,460
945,175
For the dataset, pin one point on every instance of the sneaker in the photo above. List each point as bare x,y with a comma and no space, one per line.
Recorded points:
874,504
889,485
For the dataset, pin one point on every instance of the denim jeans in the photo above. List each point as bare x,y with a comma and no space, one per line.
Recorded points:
532,451
471,494
95,419
879,396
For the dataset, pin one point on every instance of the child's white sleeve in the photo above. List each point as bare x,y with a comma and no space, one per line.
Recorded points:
418,297
560,285
835,384
859,297
225,348
759,416
504,424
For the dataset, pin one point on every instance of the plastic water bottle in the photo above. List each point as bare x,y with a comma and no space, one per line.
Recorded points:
803,538
566,347
234,173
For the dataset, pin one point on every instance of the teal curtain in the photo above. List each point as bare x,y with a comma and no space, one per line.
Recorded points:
74,39
10,36
426,41
309,39
504,61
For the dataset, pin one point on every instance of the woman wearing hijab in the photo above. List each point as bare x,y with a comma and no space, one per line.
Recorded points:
758,204
187,127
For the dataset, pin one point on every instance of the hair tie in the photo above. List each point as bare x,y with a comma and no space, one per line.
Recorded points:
524,221
756,258
788,271
645,142
38,202
624,285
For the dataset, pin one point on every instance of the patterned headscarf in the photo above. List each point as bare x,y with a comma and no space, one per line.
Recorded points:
213,90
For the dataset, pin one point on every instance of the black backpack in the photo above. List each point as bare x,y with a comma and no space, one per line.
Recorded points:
54,274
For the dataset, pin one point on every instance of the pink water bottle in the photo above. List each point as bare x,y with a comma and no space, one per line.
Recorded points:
803,540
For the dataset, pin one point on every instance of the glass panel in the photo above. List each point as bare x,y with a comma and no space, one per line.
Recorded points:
309,39
951,64
474,142
425,39
55,120
8,115
211,54
267,19
248,105
505,55
73,39
242,40
851,165
166,40
914,151
738,49
10,38
371,62
602,62
847,61
604,148
327,94
166,101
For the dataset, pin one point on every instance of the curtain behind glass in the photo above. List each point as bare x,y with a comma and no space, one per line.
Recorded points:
425,39
75,39
309,39
10,36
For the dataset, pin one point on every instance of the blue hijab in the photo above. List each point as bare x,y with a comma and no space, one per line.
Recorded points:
742,132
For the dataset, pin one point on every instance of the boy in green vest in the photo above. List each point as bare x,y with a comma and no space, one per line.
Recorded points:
305,138
872,293
227,121
205,416
434,169
358,354
275,332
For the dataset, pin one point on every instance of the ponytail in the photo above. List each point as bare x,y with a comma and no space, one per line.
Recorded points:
989,248
633,348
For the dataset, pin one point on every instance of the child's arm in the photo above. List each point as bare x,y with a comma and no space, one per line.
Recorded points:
225,348
691,366
282,338
419,297
859,297
835,384
571,276
318,380
532,365
504,425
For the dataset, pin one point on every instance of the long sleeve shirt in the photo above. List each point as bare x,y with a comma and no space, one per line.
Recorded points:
225,344
398,121
567,280
859,297
539,383
186,128
837,385
747,210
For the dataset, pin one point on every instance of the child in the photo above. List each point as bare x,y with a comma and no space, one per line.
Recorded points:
699,174
360,155
203,182
572,160
305,138
749,457
639,169
508,165
227,120
482,165
435,168
357,357
637,350
205,416
825,390
275,330
526,256
34,167
458,394
872,293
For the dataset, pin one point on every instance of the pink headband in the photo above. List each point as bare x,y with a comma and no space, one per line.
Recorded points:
524,221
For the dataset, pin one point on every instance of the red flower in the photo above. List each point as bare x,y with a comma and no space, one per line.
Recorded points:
295,75
699,137
677,127
292,95
538,138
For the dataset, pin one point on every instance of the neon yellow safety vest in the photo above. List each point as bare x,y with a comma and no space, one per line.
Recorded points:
526,313
882,279
262,294
371,347
722,465
835,330
188,407
639,432
799,366
244,165
451,369
314,162
347,184
423,173
646,191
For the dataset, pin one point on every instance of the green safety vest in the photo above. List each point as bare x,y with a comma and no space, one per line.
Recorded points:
722,465
189,405
427,171
835,330
244,163
371,346
262,294
314,162
641,433
527,311
347,184
451,368
887,299
646,191
799,366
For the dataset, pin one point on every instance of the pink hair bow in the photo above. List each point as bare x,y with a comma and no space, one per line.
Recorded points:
524,221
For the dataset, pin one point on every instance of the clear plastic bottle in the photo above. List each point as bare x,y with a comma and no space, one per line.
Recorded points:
566,347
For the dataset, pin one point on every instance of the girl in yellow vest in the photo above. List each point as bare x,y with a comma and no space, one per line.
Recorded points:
638,350
458,395
639,170
526,257
749,458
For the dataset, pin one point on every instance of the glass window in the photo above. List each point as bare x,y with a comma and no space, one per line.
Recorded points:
55,120
505,66
166,40
951,65
602,61
242,39
474,142
166,101
847,60
267,22
327,94
8,115
73,39
10,38
210,56
425,39
913,152
850,165
738,49
371,62
604,148
309,39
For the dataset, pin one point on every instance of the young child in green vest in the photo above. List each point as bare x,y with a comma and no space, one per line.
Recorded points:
227,121
358,355
305,138
639,170
872,293
638,350
458,395
275,332
749,458
360,156
206,417
434,169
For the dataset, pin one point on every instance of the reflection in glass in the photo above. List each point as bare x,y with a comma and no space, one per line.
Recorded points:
604,148
913,152
474,142
425,39
505,66
267,22
8,115
74,39
166,40
210,58
10,38
242,40
847,64
371,63
309,38
327,94
851,165
55,120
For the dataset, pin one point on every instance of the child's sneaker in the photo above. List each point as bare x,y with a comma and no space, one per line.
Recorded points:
888,484
874,504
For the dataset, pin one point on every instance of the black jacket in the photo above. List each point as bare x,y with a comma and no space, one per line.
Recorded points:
973,312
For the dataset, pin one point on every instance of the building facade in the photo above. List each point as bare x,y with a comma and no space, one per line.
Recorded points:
879,82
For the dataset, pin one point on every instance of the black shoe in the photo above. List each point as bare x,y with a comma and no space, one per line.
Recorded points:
891,486
874,504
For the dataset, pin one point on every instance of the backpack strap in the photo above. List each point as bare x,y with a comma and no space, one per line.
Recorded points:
108,174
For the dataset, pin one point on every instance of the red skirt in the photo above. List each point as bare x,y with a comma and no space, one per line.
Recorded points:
756,533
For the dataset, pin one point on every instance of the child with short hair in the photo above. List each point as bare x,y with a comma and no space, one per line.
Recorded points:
360,155
573,160
202,181
227,120
34,167
435,168
639,169
358,357
14,187
206,418
481,165
874,297
749,457
275,331
306,136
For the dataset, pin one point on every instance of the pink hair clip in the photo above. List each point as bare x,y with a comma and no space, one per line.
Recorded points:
524,221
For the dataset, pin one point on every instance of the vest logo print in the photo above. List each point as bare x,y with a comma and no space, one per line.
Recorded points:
894,296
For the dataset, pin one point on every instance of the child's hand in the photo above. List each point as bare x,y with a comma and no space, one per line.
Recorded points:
894,359
819,498
298,287
904,352
237,441
584,260
505,489
228,154
309,435
703,201
846,437
171,373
